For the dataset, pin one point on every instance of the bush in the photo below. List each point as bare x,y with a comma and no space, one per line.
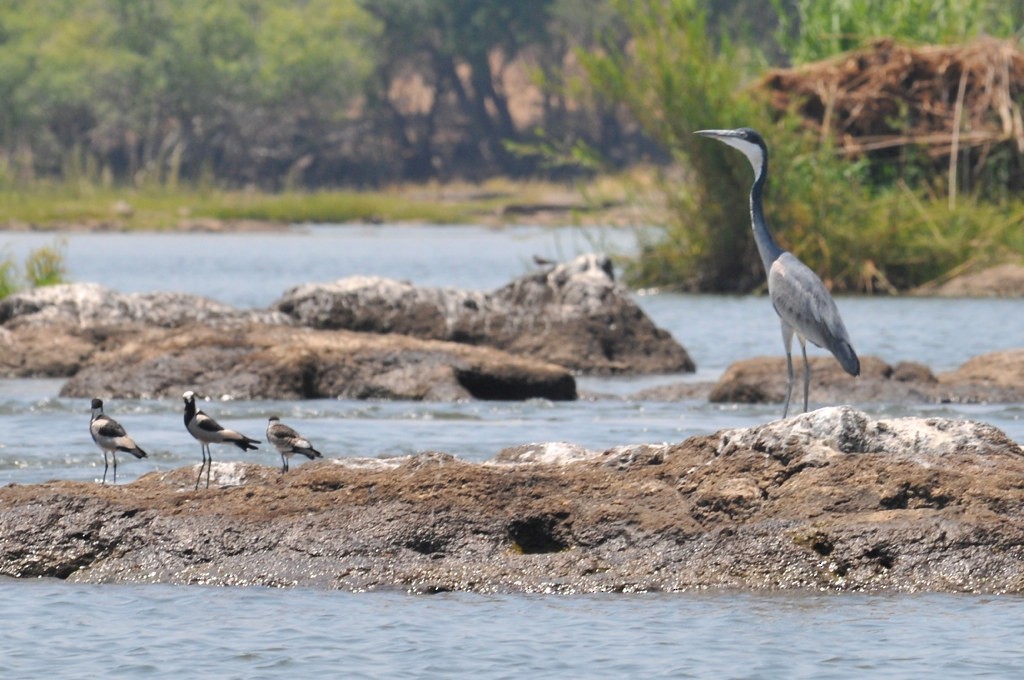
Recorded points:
43,267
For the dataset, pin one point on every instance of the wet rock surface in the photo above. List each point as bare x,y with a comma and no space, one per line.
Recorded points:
993,377
832,499
258,360
572,314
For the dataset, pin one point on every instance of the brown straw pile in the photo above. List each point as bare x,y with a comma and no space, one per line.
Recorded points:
939,98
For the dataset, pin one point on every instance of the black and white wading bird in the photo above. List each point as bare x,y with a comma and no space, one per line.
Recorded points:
288,442
800,298
110,436
209,431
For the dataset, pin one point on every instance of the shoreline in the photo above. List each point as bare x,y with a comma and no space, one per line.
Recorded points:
498,202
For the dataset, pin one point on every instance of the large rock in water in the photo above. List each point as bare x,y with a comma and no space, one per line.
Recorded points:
573,314
90,305
56,330
259,361
828,500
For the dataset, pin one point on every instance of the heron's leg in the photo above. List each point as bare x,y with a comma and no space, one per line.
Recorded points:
807,370
787,342
113,454
209,465
105,466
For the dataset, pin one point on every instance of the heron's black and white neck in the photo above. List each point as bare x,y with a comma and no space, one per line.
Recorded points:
752,145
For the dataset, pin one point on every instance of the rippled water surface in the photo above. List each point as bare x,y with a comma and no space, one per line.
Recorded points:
122,631
71,631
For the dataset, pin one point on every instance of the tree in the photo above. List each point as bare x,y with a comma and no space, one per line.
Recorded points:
458,49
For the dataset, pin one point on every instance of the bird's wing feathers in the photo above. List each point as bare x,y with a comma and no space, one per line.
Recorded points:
288,441
282,431
110,435
804,304
206,423
108,427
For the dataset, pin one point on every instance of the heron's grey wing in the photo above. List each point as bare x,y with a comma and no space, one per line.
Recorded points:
803,303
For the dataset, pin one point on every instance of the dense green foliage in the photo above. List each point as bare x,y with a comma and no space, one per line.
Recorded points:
276,93
814,30
150,90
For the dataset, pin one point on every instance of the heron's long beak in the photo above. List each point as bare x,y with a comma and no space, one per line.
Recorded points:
717,133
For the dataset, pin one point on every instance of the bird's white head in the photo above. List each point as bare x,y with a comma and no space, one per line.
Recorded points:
748,141
189,396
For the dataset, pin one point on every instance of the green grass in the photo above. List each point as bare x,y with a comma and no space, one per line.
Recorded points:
47,205
154,209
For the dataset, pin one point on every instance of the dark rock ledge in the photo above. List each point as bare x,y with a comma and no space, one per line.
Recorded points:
828,500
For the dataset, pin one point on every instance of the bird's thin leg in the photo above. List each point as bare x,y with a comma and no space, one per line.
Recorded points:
284,463
787,341
202,448
113,454
209,465
807,370
105,466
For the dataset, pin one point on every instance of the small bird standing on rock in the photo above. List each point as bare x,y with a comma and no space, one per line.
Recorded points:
110,436
209,431
288,442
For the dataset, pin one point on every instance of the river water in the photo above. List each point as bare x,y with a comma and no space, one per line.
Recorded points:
64,630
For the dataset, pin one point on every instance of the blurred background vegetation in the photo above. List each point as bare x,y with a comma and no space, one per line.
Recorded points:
306,100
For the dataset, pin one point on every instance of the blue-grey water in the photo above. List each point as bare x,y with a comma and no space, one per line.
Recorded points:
55,629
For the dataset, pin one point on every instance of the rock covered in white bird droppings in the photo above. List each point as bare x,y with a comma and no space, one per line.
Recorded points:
86,305
573,314
844,430
544,453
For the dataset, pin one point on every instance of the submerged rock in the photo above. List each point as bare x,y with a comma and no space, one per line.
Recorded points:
832,499
996,377
573,314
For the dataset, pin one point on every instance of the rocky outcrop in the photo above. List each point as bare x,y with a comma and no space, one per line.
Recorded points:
90,305
1003,369
258,361
832,499
996,377
572,314
1005,280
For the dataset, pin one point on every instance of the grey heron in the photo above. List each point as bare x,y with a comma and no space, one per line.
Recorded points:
110,436
288,442
208,431
801,300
